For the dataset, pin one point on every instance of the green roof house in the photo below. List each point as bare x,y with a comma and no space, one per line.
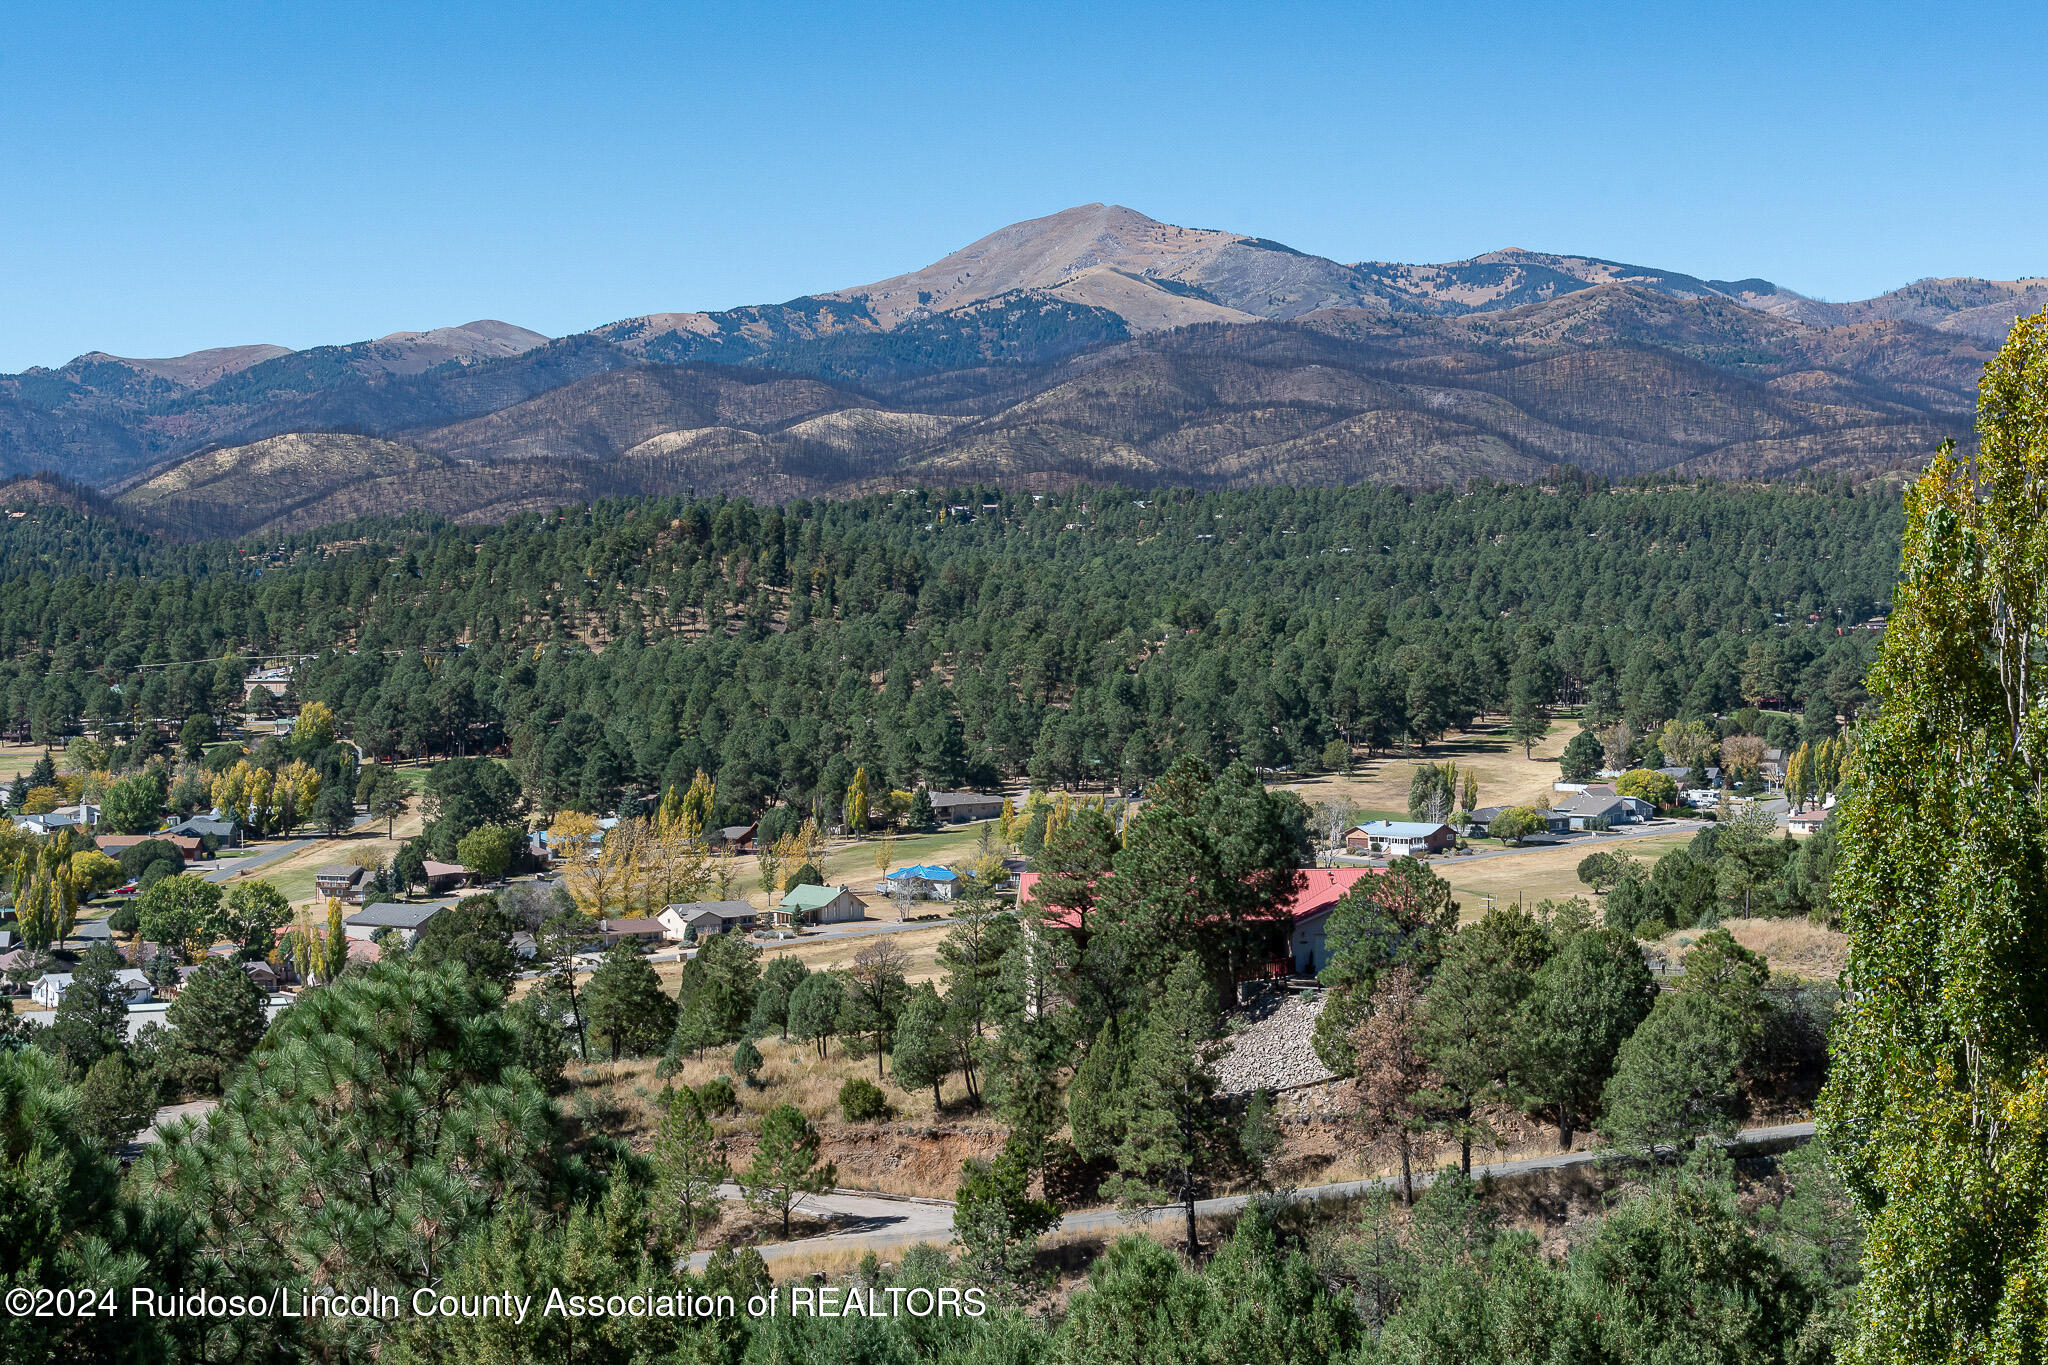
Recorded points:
819,905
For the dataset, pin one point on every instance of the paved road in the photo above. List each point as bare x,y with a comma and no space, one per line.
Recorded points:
882,1224
151,1013
234,867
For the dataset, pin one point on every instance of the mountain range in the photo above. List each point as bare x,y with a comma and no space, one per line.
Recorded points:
1095,343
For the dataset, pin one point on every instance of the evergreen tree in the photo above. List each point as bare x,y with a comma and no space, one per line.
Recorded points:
921,816
746,1062
1400,918
1204,867
1175,1138
785,1167
1582,758
923,1053
1075,860
1469,1035
625,1004
65,1224
116,1100
475,932
814,1009
383,794
997,1222
1678,1077
1584,1003
91,1019
689,1165
216,1022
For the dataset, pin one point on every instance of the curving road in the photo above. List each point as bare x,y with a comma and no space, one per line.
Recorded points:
886,1223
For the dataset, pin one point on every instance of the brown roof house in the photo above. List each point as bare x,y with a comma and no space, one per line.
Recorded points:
445,877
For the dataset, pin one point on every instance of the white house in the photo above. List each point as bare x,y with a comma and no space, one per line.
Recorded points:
49,989
920,880
1398,838
699,919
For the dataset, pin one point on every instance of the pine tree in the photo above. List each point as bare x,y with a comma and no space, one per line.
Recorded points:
785,1167
923,1053
689,1165
1469,1034
626,1005
1582,1006
391,1118
1074,862
216,1022
1175,1138
91,1020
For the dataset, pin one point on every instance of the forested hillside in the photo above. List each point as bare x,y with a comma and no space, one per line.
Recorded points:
1085,637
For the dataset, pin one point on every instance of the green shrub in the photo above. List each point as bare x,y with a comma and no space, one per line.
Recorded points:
863,1101
716,1096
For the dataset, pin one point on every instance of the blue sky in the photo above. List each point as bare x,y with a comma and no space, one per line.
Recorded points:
188,176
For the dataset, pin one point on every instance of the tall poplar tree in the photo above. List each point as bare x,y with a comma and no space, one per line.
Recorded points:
1936,1111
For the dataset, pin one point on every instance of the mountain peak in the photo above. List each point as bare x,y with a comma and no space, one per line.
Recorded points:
1042,254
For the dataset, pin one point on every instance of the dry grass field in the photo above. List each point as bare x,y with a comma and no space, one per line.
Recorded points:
1538,874
1797,947
1506,778
16,759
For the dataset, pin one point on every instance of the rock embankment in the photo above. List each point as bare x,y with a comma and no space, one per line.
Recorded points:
1272,1048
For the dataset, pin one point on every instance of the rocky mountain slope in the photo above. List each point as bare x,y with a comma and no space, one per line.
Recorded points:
1091,343
1615,379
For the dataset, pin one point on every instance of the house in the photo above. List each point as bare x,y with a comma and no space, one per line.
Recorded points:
113,845
1807,819
1599,807
958,808
1395,838
341,881
920,880
263,974
225,833
639,930
45,824
734,836
525,946
445,877
1306,913
690,920
405,921
1481,825
85,814
1773,767
817,905
272,680
129,983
